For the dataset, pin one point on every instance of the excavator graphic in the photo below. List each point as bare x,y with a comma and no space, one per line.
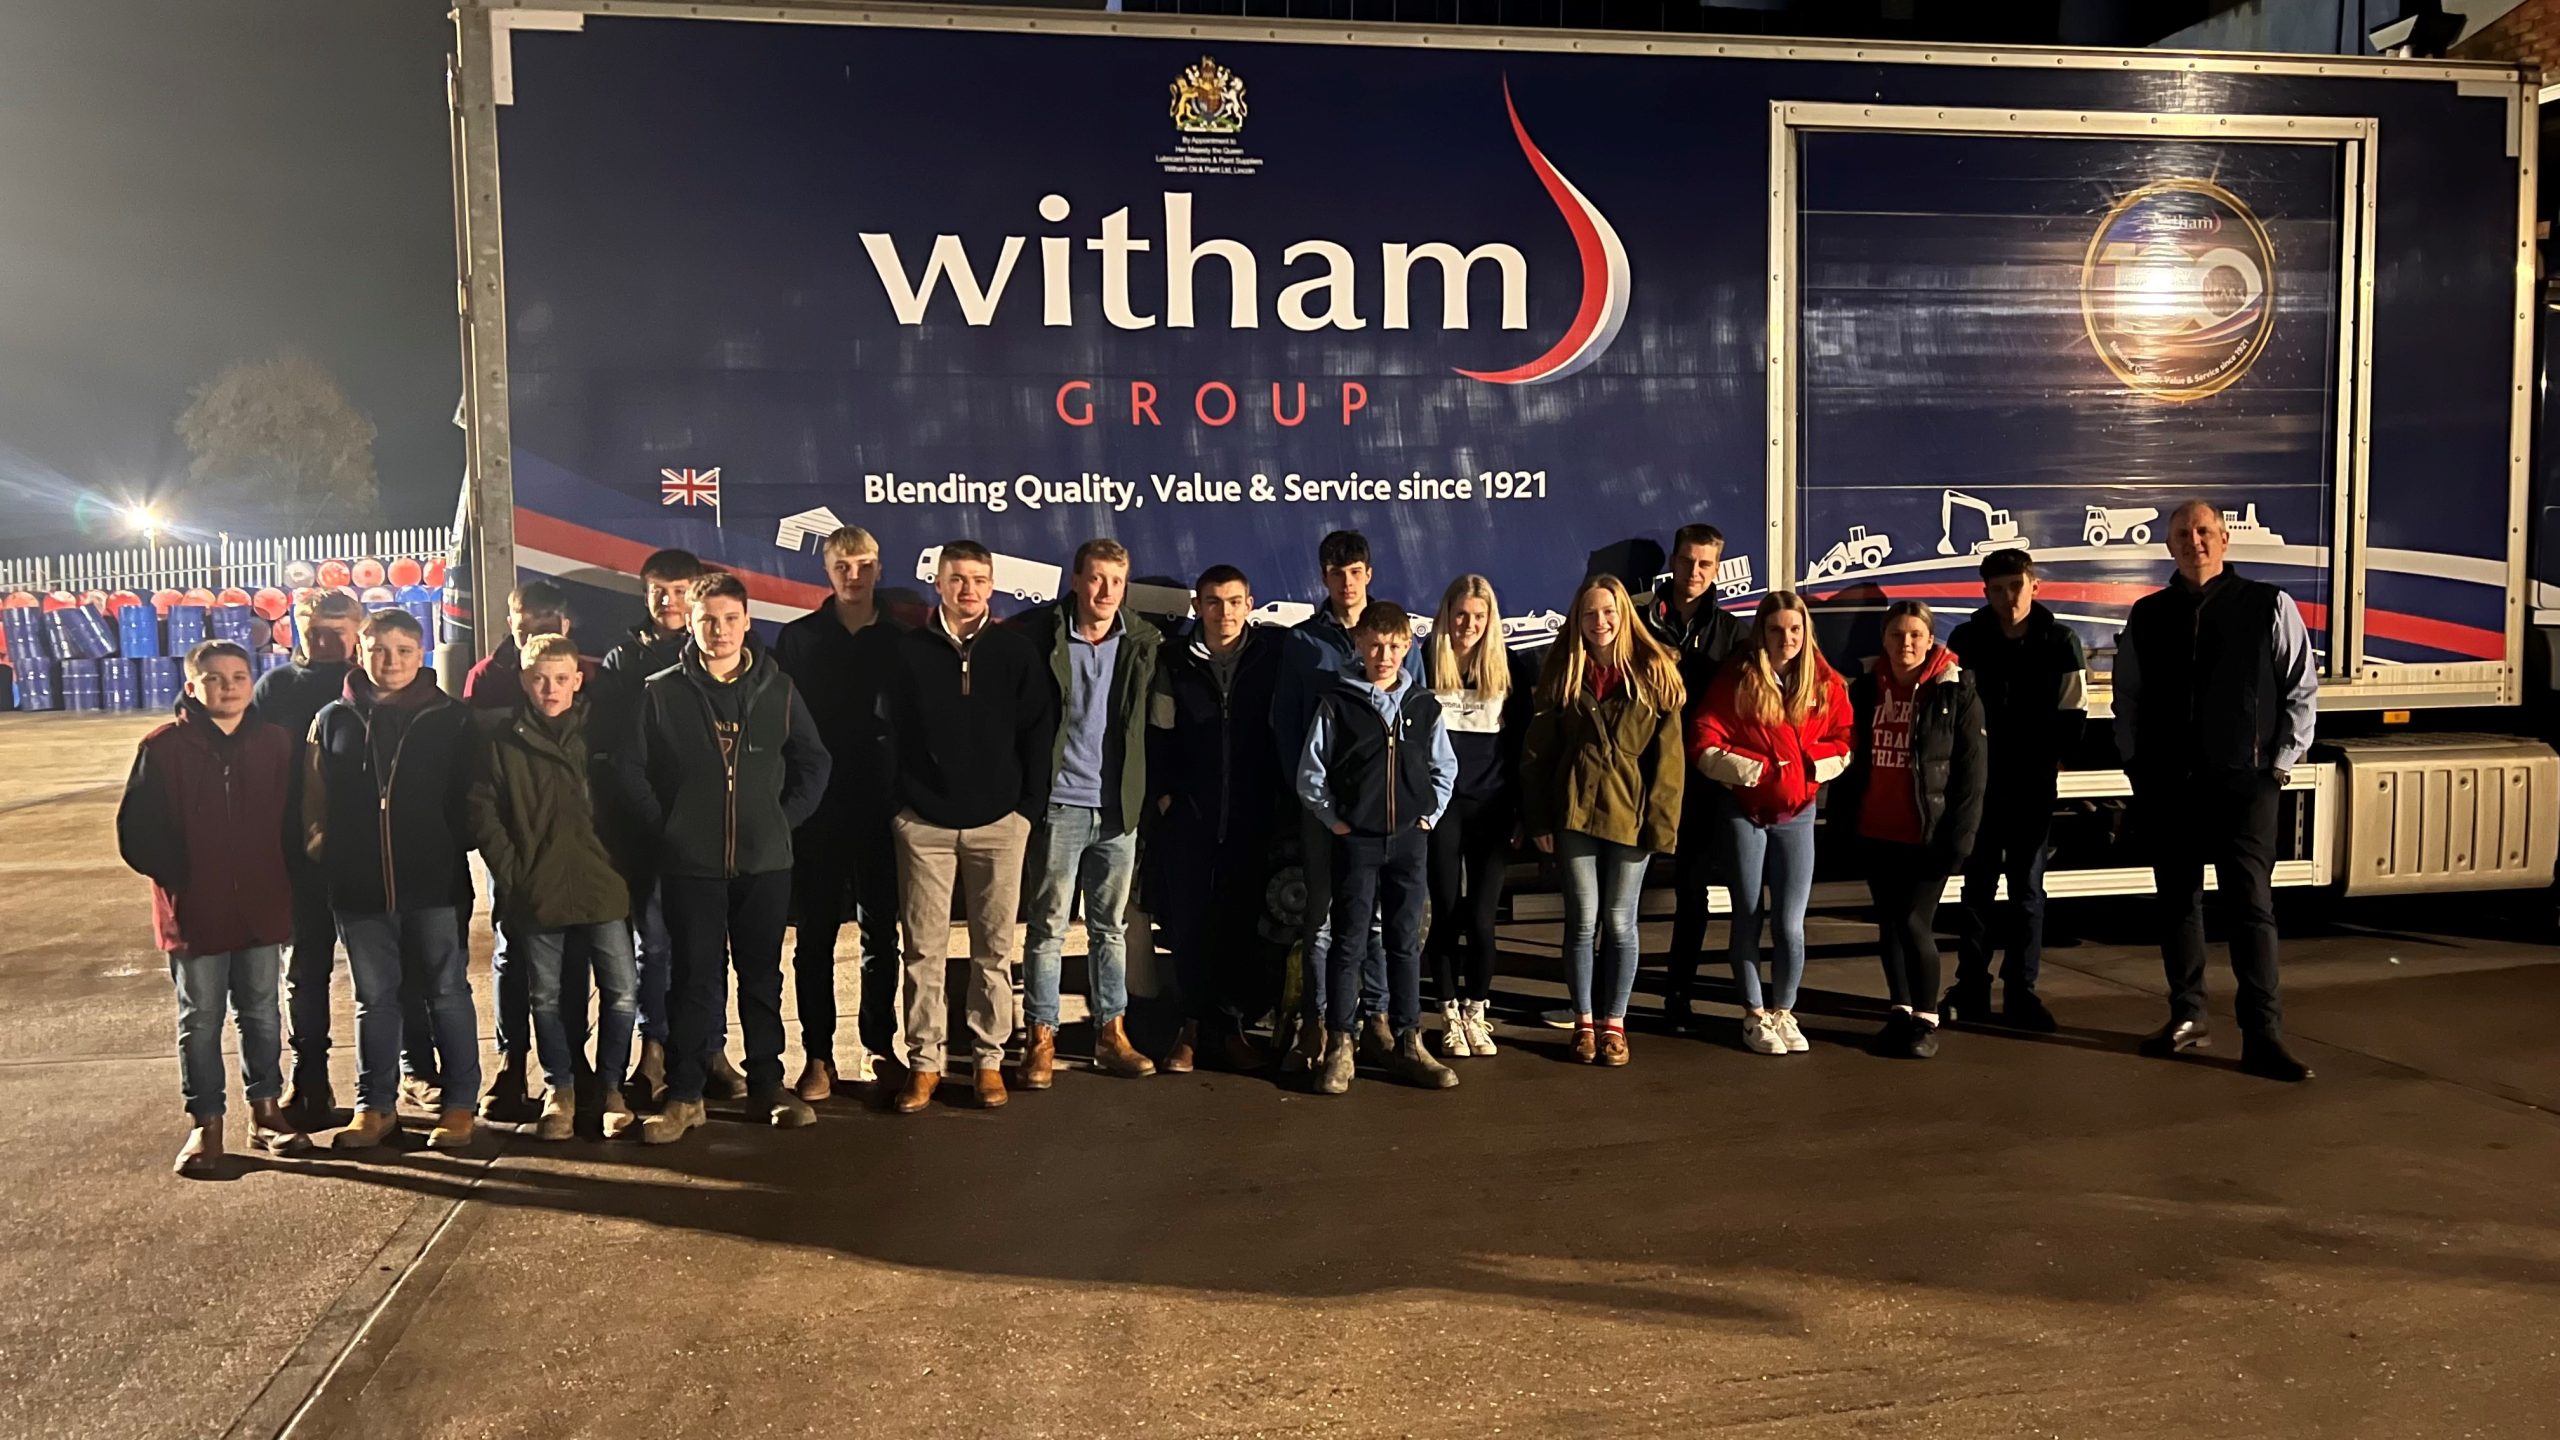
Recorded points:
2001,532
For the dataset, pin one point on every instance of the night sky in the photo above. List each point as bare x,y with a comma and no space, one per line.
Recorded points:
184,183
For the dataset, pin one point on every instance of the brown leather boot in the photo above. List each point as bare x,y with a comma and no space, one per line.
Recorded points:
990,1087
1040,1058
817,1081
1114,1055
918,1092
1185,1052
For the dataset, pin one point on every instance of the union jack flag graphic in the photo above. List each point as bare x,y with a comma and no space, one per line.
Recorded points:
689,487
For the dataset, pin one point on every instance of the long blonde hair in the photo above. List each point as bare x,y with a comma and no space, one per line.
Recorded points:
1760,693
1491,661
1648,667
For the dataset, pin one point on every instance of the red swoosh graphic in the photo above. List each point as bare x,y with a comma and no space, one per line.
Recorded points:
1579,218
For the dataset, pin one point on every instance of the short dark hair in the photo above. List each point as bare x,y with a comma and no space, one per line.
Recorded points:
671,565
206,652
963,550
539,597
1217,575
2001,564
1342,549
1698,534
718,585
1384,617
393,618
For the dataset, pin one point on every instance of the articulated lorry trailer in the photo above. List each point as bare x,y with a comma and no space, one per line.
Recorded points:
1520,303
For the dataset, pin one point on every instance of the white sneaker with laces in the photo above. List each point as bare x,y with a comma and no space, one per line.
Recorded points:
1787,1031
1761,1036
1455,1041
1479,1029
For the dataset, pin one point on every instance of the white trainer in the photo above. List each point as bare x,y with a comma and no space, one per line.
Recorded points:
1787,1031
1456,1041
1479,1029
1761,1035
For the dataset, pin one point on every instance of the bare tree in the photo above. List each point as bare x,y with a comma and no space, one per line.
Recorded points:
278,441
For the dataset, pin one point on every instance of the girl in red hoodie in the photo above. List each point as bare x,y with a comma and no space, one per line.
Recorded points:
1775,727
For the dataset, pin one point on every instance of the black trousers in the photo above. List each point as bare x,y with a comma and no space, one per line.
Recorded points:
1694,867
841,868
1906,882
1468,848
2015,839
2229,822
713,923
1211,900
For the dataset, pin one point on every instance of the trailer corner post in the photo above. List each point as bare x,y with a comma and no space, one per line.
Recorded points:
481,296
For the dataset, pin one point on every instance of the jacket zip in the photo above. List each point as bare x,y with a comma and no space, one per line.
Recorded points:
729,759
1226,754
1391,776
383,789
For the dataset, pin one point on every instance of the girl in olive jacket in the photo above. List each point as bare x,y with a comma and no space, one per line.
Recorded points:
1600,780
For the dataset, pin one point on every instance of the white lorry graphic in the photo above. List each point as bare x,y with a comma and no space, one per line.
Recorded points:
1861,551
1733,578
1999,531
1282,612
2132,522
1015,576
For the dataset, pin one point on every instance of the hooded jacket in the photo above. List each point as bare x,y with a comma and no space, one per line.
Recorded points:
497,682
204,818
546,815
382,797
1377,760
2034,689
721,772
1703,642
1209,747
1608,766
1949,758
1133,672
843,677
1774,768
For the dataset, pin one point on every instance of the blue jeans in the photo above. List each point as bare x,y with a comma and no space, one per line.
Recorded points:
1316,845
247,981
511,983
560,1026
1072,852
425,943
653,958
1388,876
1603,885
1779,857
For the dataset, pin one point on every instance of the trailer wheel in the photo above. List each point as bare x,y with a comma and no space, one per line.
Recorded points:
2139,535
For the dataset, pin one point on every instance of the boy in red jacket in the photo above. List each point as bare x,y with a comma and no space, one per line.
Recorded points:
204,817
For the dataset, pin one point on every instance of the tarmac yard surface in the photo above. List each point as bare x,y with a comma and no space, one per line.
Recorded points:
2022,1237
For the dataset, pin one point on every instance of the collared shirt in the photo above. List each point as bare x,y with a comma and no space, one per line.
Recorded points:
1086,716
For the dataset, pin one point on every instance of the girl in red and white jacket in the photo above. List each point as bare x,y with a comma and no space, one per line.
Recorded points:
1776,726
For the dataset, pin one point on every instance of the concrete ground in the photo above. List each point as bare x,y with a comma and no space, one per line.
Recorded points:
2021,1238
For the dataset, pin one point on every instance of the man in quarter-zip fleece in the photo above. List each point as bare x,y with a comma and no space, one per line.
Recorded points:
725,764
382,807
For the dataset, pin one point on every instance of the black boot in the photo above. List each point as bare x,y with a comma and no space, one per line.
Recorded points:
2024,1011
1967,1003
2175,1038
2265,1057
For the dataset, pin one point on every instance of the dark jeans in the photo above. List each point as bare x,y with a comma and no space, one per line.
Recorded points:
715,923
1906,882
1695,868
1468,848
1318,869
393,956
511,976
2013,845
313,954
842,868
1211,902
2228,822
1373,875
653,959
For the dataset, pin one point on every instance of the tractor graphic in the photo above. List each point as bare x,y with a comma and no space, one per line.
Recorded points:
2129,523
1861,551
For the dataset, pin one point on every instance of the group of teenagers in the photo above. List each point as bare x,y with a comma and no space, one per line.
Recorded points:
654,823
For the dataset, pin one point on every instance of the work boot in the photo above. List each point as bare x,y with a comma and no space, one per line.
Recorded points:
671,1122
1114,1055
618,1119
2024,1011
201,1157
817,1080
2176,1037
371,1128
720,1078
1968,1002
1377,1042
1413,1063
1040,1058
1307,1050
649,1077
1333,1074
1613,1048
990,1087
272,1130
1237,1051
309,1103
559,1116
784,1108
421,1094
508,1099
888,1077
1185,1054
454,1129
2265,1057
918,1091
